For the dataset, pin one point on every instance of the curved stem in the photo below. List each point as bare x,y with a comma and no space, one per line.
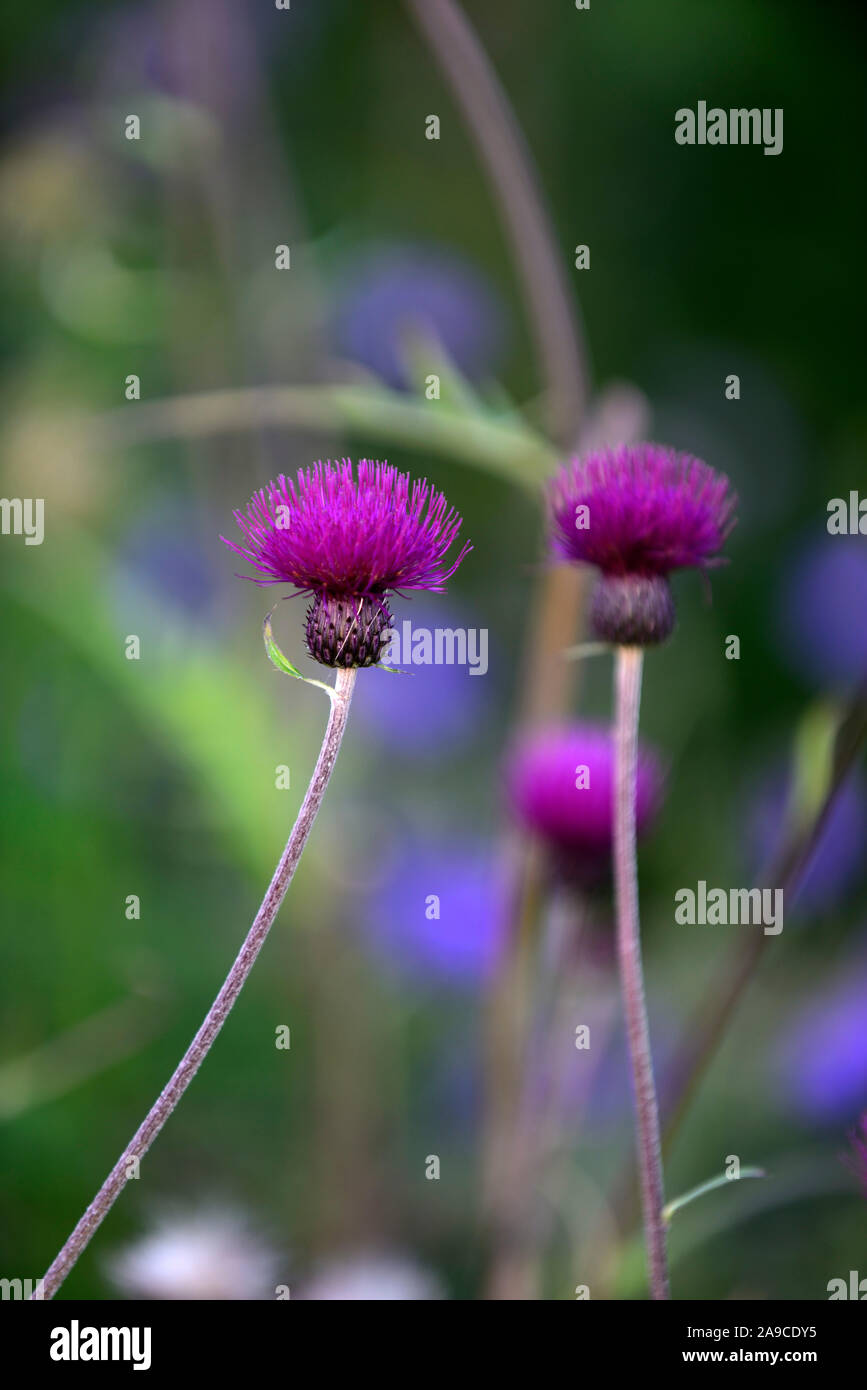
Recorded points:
628,699
506,447
509,166
127,1164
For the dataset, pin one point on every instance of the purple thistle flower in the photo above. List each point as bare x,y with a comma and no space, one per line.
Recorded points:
569,808
856,1161
349,540
636,513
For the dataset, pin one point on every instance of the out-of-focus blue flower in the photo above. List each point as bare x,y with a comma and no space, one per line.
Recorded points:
424,710
821,614
396,290
822,1056
161,555
433,917
838,860
190,50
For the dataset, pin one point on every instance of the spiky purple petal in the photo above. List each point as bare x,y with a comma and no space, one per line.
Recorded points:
329,531
650,510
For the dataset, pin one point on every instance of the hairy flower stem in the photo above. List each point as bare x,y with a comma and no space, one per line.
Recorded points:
628,700
127,1164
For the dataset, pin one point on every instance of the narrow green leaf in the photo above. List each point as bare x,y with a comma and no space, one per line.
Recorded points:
283,663
274,653
586,649
712,1183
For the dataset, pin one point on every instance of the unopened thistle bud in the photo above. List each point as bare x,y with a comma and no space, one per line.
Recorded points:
347,631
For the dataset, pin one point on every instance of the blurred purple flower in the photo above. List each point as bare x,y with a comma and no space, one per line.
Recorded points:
821,625
651,510
433,918
838,860
576,821
636,513
822,1055
395,290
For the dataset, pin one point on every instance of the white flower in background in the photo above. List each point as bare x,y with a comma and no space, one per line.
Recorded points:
207,1254
372,1277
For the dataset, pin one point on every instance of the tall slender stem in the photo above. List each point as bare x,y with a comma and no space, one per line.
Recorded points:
628,700
127,1165
508,164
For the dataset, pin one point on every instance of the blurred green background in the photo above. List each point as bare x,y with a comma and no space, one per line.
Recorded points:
157,777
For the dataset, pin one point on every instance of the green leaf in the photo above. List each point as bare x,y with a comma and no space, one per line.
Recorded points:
283,663
813,762
274,653
585,649
712,1183
501,443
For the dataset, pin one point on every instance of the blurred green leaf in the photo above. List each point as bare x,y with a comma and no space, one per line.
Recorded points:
711,1185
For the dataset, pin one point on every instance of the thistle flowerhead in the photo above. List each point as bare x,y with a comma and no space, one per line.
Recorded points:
636,513
349,538
559,785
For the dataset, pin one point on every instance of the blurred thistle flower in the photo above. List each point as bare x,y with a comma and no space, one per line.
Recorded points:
636,513
856,1160
399,290
211,1254
433,918
837,862
821,617
349,541
821,1060
559,785
372,1278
